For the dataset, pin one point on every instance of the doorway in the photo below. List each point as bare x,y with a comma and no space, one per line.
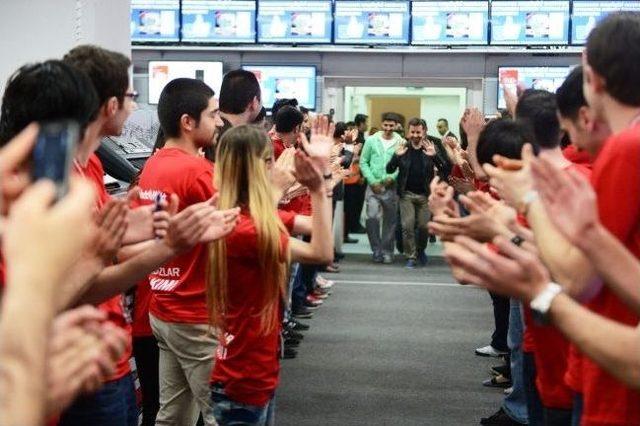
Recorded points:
431,104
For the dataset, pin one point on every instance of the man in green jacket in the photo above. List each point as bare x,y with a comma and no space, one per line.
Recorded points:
381,195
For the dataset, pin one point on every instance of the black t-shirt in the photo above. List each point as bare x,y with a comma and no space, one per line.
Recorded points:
417,175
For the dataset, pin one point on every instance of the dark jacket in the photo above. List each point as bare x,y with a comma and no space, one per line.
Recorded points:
403,163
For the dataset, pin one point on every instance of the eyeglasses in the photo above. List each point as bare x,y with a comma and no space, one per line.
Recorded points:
133,95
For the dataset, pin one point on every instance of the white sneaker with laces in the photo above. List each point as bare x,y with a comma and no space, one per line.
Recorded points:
490,351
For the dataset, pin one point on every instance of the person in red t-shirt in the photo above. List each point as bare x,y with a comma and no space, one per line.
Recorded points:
189,118
247,310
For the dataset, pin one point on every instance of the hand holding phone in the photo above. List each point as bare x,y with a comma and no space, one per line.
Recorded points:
53,153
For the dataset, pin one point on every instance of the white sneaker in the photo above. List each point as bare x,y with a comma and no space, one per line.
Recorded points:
324,283
490,351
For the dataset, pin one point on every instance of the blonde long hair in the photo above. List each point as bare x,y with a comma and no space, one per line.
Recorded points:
242,180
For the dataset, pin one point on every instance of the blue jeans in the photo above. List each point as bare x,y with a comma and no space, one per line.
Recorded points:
113,405
231,413
576,415
515,404
534,404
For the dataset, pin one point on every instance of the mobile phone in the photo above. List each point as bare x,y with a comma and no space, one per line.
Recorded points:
53,154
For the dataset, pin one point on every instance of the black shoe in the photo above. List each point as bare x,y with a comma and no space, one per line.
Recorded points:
301,312
349,240
291,343
359,230
291,334
500,370
296,325
289,353
497,382
499,418
310,305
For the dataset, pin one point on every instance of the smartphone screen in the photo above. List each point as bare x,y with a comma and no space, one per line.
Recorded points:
53,153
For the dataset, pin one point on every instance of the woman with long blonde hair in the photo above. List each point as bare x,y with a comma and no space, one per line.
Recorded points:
247,270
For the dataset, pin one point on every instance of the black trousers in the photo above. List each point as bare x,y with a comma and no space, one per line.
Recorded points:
501,320
147,354
353,203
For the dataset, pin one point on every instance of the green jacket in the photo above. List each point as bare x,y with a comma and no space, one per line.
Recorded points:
374,158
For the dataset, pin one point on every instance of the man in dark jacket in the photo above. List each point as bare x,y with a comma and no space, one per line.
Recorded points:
417,168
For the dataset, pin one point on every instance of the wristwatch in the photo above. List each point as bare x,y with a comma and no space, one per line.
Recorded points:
542,302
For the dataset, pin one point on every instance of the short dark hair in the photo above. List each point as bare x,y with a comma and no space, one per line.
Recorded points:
50,90
108,70
303,110
570,96
613,51
341,129
537,113
238,89
351,124
279,103
417,121
502,137
444,120
287,119
360,118
182,96
390,116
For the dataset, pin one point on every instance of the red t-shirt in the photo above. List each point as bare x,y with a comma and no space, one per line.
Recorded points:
616,180
300,205
114,307
141,324
246,360
550,351
572,154
178,287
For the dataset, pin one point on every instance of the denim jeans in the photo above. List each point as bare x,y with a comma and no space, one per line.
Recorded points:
501,320
231,413
534,404
576,415
113,405
515,404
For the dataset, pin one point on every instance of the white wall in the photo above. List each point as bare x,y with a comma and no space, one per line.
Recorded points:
36,30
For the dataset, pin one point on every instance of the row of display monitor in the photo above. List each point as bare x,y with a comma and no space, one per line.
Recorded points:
530,22
279,82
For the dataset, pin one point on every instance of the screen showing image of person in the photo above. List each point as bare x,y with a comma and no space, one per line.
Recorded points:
587,13
155,21
528,22
218,21
294,21
371,22
449,22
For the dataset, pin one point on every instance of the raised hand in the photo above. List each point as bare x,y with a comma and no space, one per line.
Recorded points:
112,225
402,149
49,236
512,185
319,148
567,197
306,173
14,179
441,200
473,123
83,351
428,148
513,272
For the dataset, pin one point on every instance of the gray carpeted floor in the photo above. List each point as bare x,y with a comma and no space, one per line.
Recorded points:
392,346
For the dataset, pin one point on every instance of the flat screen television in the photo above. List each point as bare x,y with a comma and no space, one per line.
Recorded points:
543,78
286,82
449,22
371,22
155,21
530,22
219,21
586,14
294,22
162,72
